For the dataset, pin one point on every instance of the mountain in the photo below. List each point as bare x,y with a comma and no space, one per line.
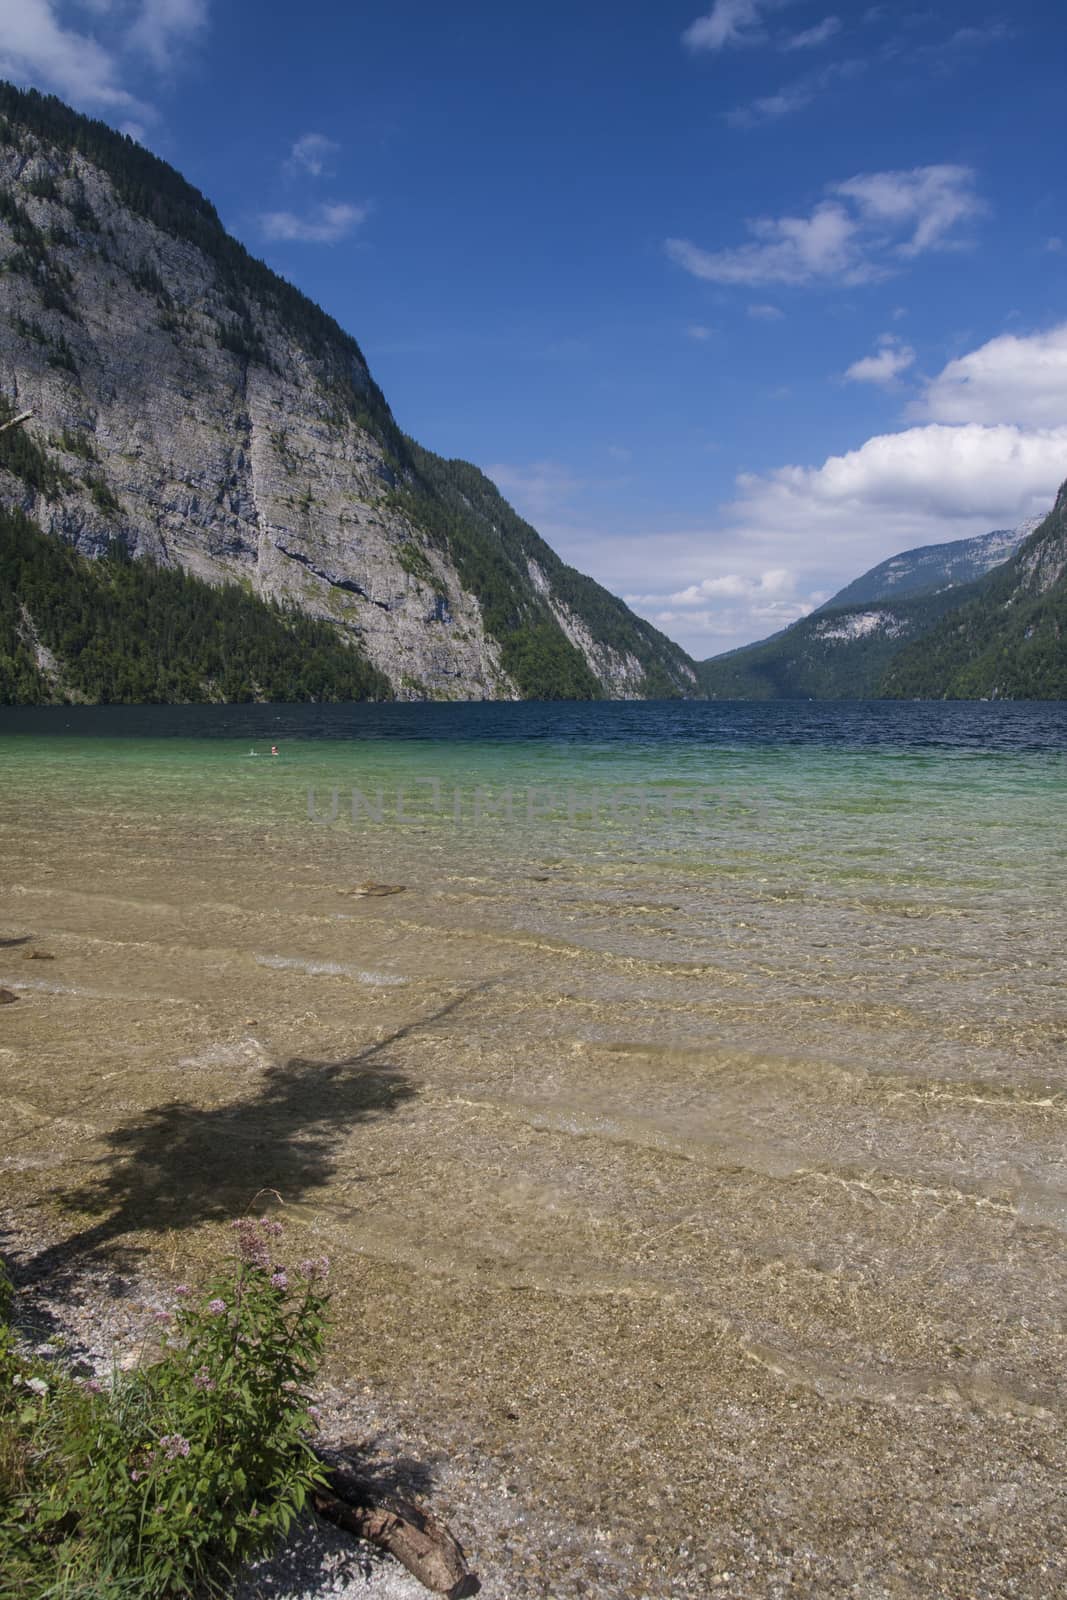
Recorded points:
197,412
1008,641
932,567
846,648
115,630
830,655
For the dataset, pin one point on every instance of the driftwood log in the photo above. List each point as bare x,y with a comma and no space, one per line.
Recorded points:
414,1537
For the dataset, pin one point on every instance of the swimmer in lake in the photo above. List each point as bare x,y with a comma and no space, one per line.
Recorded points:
274,749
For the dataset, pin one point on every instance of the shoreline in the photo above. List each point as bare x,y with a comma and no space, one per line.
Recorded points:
107,1319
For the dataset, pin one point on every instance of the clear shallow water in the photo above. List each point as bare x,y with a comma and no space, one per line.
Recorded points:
747,1038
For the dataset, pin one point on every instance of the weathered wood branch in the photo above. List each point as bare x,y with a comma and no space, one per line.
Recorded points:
13,422
415,1538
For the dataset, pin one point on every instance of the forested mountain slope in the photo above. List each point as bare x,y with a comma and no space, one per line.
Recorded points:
1009,641
856,645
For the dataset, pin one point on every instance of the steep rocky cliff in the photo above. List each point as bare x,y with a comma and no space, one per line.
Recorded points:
198,410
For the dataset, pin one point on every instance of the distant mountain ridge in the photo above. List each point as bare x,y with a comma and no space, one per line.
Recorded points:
851,647
931,568
194,408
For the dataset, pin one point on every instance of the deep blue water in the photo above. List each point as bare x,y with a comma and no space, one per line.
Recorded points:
988,727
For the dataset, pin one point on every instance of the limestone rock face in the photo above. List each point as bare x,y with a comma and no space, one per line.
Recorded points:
233,468
1043,560
189,418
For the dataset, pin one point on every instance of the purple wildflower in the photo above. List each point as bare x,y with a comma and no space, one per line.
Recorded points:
273,1230
316,1271
204,1380
136,1476
174,1445
183,1289
93,1386
252,1243
161,1317
216,1307
279,1280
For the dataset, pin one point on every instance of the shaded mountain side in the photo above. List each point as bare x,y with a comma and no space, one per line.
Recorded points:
1009,640
487,536
114,631
830,655
931,568
192,404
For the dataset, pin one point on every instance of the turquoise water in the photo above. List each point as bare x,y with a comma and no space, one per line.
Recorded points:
563,762
733,1070
948,797
883,882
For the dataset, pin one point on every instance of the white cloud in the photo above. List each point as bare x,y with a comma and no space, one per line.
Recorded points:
794,96
1055,244
741,22
770,107
162,27
927,201
715,613
706,633
795,535
784,250
775,583
762,312
698,331
809,38
1010,379
36,49
728,22
869,224
325,224
989,452
311,154
918,486
891,359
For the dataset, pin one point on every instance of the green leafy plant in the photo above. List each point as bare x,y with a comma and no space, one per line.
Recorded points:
164,1481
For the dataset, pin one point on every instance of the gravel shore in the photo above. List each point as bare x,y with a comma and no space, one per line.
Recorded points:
106,1318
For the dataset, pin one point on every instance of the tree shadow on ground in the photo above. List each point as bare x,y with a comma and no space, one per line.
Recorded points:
178,1165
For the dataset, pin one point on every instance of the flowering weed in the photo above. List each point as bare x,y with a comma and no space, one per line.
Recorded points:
170,1477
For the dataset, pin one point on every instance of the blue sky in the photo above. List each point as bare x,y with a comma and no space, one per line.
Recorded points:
733,298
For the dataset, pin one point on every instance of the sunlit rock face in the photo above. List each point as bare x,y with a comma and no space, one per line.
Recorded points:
191,414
